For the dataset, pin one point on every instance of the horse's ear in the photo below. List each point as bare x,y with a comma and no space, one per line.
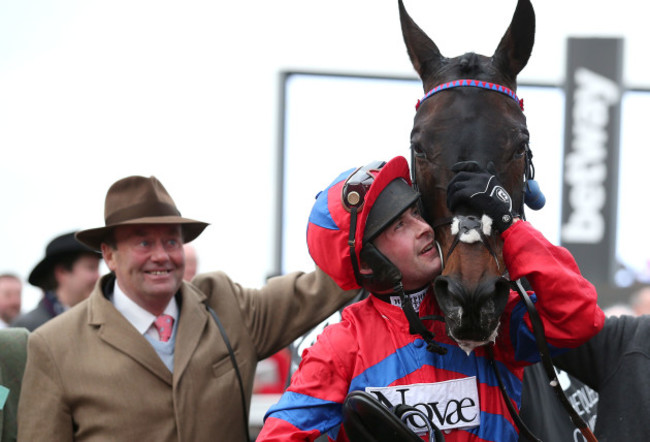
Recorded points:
517,43
423,52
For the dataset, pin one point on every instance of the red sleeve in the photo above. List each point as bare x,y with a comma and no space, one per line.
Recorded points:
566,302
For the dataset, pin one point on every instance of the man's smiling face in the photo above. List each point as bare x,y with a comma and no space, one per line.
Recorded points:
409,244
148,261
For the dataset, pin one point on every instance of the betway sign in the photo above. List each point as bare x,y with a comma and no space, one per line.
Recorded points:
585,163
591,154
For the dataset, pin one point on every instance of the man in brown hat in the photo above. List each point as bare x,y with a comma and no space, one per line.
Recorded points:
150,357
67,275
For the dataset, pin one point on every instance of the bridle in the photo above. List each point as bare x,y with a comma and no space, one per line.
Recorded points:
471,229
471,83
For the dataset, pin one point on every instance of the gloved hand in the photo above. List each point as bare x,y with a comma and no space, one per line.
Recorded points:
480,189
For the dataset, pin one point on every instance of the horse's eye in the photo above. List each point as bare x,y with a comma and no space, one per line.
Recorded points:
418,151
521,150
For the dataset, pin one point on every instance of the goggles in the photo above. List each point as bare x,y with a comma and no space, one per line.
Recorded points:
358,184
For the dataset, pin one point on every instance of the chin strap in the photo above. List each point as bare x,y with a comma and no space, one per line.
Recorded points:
415,324
441,255
352,244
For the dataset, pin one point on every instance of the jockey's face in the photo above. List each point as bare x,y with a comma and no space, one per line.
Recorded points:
409,244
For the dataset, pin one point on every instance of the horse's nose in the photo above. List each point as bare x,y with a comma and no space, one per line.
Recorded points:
472,313
501,292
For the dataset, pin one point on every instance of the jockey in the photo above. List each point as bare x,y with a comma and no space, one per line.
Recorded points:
365,230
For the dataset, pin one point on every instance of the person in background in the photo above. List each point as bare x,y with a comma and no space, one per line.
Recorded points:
67,275
365,230
619,309
640,301
541,410
616,364
11,289
154,357
13,355
191,262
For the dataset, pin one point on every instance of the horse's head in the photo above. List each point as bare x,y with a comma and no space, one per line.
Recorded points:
484,123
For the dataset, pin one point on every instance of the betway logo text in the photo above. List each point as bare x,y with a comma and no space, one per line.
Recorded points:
586,166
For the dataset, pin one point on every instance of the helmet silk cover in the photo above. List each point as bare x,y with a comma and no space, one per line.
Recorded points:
328,229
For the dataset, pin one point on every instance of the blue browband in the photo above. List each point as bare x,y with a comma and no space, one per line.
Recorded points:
472,83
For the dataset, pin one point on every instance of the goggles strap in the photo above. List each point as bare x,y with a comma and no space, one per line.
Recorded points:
351,243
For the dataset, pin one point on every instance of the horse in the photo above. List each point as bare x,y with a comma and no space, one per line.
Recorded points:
470,112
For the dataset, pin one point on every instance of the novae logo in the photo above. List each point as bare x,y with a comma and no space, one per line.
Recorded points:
449,405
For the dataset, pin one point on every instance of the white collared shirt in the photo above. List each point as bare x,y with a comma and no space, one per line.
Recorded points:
141,319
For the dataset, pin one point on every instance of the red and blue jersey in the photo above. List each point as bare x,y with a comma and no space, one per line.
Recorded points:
371,349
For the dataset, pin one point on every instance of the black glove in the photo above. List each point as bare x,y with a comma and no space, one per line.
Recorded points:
479,189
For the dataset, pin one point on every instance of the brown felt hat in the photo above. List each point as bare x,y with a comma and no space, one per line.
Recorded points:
139,200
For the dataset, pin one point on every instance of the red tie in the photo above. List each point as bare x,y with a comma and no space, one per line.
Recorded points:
164,324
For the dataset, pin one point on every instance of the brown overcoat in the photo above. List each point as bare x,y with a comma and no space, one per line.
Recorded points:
91,376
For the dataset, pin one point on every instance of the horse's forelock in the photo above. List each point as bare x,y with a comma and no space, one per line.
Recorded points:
469,63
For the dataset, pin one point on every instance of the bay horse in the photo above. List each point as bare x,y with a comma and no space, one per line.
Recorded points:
470,113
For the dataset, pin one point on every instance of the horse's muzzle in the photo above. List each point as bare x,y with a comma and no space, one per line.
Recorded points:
472,315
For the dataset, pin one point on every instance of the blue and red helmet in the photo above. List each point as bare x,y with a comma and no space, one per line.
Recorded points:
356,207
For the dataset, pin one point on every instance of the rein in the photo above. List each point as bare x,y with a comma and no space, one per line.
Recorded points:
470,229
547,362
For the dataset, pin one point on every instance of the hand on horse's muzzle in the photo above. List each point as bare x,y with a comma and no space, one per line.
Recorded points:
479,190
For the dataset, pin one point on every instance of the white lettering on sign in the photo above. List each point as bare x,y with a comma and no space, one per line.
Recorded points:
585,167
448,405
